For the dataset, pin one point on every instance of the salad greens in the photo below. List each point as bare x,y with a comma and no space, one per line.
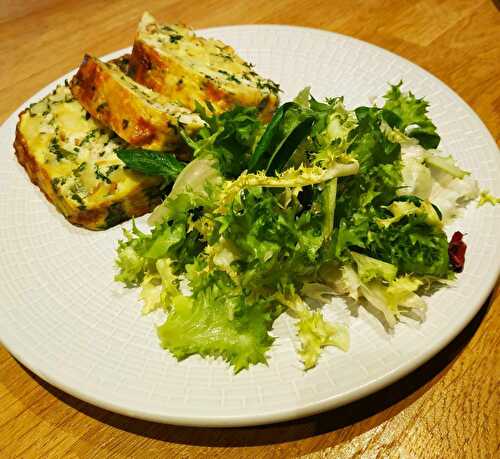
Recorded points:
277,218
409,115
486,197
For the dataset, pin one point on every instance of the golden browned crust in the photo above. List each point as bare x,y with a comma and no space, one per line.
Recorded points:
121,109
101,217
148,67
155,71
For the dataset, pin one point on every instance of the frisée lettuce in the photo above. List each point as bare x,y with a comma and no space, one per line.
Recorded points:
269,219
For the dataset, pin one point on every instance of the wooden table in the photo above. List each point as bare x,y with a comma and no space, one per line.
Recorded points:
447,408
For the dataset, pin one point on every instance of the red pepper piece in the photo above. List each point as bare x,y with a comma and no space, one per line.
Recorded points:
456,251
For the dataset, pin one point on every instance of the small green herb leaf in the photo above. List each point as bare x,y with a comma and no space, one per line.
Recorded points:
174,38
290,125
151,162
258,159
288,146
60,152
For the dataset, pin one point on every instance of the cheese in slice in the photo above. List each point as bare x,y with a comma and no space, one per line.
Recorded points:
72,158
172,60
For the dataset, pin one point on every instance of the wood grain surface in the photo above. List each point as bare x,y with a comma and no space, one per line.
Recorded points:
448,408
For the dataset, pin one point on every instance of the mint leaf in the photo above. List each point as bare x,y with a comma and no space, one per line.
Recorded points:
150,162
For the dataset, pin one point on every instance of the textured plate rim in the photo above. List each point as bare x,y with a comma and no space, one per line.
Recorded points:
306,409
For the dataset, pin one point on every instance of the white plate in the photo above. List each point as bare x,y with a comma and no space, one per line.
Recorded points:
63,316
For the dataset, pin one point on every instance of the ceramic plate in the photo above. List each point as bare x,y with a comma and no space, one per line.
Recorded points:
63,316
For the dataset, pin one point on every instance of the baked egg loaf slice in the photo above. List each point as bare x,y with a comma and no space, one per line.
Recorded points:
172,60
136,113
72,159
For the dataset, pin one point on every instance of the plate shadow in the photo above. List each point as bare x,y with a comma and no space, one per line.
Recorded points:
384,403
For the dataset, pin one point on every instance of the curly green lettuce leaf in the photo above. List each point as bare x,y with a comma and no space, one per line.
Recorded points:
173,238
318,291
331,134
218,321
313,330
450,193
272,244
369,145
437,179
130,264
193,182
411,116
400,209
486,197
315,333
302,98
195,176
159,288
229,138
151,288
416,178
391,298
130,260
290,178
410,243
446,164
370,268
379,175
395,298
165,240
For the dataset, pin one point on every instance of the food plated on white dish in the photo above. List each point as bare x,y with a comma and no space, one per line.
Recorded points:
304,236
